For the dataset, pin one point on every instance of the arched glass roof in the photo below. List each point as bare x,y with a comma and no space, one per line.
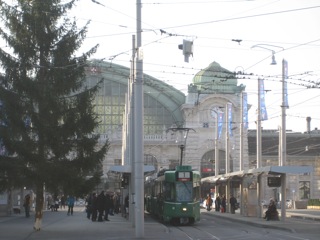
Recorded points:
161,101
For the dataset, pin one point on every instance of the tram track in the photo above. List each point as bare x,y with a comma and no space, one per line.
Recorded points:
194,233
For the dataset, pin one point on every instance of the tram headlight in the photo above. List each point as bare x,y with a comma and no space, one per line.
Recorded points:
184,209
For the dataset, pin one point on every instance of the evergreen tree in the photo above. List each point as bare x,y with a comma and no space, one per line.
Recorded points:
47,118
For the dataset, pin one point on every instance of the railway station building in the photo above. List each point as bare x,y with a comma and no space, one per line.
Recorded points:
211,91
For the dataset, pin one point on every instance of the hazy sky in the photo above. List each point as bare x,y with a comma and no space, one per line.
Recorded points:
291,28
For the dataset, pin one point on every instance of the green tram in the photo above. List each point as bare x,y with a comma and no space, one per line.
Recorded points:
174,196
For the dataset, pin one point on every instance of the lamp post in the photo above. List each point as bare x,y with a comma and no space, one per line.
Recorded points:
181,138
273,60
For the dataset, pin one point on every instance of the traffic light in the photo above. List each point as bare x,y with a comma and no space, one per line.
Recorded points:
125,181
187,49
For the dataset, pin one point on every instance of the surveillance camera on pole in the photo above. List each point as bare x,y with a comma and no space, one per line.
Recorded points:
187,49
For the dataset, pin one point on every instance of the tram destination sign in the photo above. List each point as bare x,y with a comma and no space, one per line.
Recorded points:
184,176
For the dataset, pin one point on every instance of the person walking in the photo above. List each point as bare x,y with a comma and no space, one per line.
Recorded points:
27,204
89,205
63,202
223,204
108,205
209,202
233,202
94,207
111,208
101,201
116,202
126,206
70,202
217,203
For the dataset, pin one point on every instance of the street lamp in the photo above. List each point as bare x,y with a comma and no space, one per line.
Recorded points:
273,59
181,138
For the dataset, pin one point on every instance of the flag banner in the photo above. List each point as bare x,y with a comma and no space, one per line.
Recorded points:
245,111
285,85
220,123
263,109
229,109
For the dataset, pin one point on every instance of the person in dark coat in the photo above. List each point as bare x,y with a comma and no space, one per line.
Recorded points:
89,205
27,204
217,203
101,200
107,207
94,207
223,204
272,210
233,202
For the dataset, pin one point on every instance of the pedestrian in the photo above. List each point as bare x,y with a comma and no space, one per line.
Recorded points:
223,204
101,201
89,205
126,206
94,207
233,202
272,211
116,201
70,202
51,203
63,202
27,204
111,209
217,203
107,207
209,202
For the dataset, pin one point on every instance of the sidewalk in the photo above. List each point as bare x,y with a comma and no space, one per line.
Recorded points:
298,220
57,225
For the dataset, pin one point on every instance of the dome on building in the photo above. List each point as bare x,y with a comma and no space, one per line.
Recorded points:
216,79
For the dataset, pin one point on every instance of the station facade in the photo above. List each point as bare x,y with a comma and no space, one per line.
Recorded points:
211,91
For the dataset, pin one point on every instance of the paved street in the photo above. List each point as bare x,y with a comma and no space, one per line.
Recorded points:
300,224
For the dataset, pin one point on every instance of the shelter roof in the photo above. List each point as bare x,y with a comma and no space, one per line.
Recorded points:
273,170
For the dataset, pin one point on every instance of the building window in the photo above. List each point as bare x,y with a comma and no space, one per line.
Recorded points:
304,189
117,162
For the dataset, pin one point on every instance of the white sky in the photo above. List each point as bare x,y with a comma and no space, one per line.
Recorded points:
212,24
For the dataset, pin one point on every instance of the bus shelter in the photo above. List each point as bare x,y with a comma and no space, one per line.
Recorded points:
249,185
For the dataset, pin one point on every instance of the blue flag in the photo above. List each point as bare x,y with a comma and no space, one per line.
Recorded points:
263,109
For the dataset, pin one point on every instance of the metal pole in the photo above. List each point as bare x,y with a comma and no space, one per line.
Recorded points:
241,131
259,152
138,123
259,126
283,116
216,150
181,154
283,140
241,152
227,138
131,134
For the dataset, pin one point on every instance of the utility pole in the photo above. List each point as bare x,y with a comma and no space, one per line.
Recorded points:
283,139
243,96
259,150
138,143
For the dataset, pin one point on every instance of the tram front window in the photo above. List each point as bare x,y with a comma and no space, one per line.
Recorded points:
184,191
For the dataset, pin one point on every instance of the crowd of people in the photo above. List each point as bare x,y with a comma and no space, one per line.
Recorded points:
220,203
99,207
